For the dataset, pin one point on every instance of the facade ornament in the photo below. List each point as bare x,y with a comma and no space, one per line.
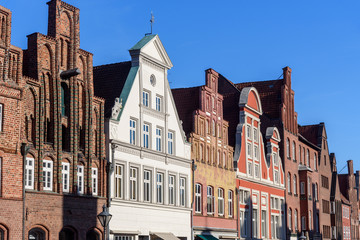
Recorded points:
116,108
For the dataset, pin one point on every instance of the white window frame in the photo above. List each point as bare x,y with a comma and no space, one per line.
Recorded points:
182,189
66,176
296,219
171,189
80,179
295,184
256,152
132,131
221,202
147,185
160,187
263,224
287,148
255,134
159,139
94,181
230,203
255,221
210,200
47,175
146,135
198,198
249,150
276,176
171,145
257,170
158,101
133,183
275,159
146,98
248,131
293,151
29,173
249,170
289,182
244,219
290,219
119,181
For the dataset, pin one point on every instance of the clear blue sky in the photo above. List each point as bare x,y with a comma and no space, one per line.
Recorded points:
243,40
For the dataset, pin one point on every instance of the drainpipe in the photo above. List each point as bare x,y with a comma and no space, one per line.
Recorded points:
109,170
24,151
193,168
238,213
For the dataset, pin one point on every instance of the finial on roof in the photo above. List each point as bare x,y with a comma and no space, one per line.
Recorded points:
152,20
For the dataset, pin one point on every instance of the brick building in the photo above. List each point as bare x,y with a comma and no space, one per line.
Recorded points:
59,121
201,111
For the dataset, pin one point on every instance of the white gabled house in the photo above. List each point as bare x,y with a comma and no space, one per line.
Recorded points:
151,178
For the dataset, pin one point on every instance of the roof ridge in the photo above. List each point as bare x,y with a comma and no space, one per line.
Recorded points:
260,81
108,64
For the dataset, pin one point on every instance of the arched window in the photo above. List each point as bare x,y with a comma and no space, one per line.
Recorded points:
295,184
221,203
309,186
289,183
293,151
67,234
290,219
288,148
224,160
210,200
213,127
315,162
230,203
296,220
36,234
307,158
65,100
92,235
300,159
47,174
316,191
198,198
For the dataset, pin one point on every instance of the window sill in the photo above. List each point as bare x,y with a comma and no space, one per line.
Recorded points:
296,195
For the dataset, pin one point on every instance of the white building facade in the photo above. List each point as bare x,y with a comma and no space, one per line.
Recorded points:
151,178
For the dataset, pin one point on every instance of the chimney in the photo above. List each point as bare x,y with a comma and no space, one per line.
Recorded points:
350,167
287,76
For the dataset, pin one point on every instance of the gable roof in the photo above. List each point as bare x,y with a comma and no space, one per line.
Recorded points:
145,40
310,132
109,81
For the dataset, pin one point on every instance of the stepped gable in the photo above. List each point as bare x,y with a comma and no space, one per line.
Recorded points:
310,132
187,101
109,81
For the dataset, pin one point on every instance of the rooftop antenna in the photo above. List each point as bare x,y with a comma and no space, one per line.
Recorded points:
152,20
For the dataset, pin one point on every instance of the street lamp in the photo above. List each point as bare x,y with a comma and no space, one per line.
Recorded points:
104,218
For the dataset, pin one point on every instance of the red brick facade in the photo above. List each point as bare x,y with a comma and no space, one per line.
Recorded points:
60,122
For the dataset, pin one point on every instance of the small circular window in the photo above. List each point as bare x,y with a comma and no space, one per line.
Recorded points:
152,80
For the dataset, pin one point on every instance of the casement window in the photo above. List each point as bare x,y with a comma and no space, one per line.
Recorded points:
278,228
146,134
119,181
248,131
244,216
303,223
124,237
132,131
324,182
272,203
29,173
263,224
296,220
171,189
133,183
315,162
276,176
230,203
316,191
145,98
147,186
255,135
300,159
293,151
255,226
289,183
287,148
307,158
94,178
158,104
273,227
295,184
198,198
244,197
80,179
159,188
66,176
1,116
290,219
256,153
221,202
309,186
257,170
249,168
170,143
276,160
302,188
47,175
210,200
158,139
249,150
182,192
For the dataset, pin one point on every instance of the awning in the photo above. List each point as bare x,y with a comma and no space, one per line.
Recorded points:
207,237
165,236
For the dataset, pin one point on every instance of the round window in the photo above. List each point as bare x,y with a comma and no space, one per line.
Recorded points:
152,80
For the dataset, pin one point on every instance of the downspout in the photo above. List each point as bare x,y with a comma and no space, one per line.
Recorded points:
237,211
24,151
193,168
109,170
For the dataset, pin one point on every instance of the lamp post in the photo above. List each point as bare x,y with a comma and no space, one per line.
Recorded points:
104,218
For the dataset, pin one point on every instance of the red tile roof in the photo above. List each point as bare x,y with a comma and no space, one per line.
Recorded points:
109,81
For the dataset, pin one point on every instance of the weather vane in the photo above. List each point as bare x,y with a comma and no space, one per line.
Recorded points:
151,23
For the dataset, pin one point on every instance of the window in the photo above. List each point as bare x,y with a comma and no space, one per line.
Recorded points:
213,127
290,219
249,149
147,186
230,203
326,206
309,187
124,237
275,158
170,143
146,133
182,192
221,202
158,139
310,221
273,229
145,99
119,173
276,176
263,224
244,223
201,153
257,171
288,148
316,191
296,219
1,116
295,184
303,223
255,223
224,160
324,182
293,151
158,104
29,173
250,168
300,154
47,174
255,135
80,179
289,183
248,131
133,183
159,187
210,200
256,152
302,188
315,162
132,132
198,198
94,177
65,176
307,158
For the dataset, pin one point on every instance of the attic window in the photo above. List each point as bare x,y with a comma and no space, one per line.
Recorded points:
152,80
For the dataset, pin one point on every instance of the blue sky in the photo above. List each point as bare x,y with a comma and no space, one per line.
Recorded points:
242,40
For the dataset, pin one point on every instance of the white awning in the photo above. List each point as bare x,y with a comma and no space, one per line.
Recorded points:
165,236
